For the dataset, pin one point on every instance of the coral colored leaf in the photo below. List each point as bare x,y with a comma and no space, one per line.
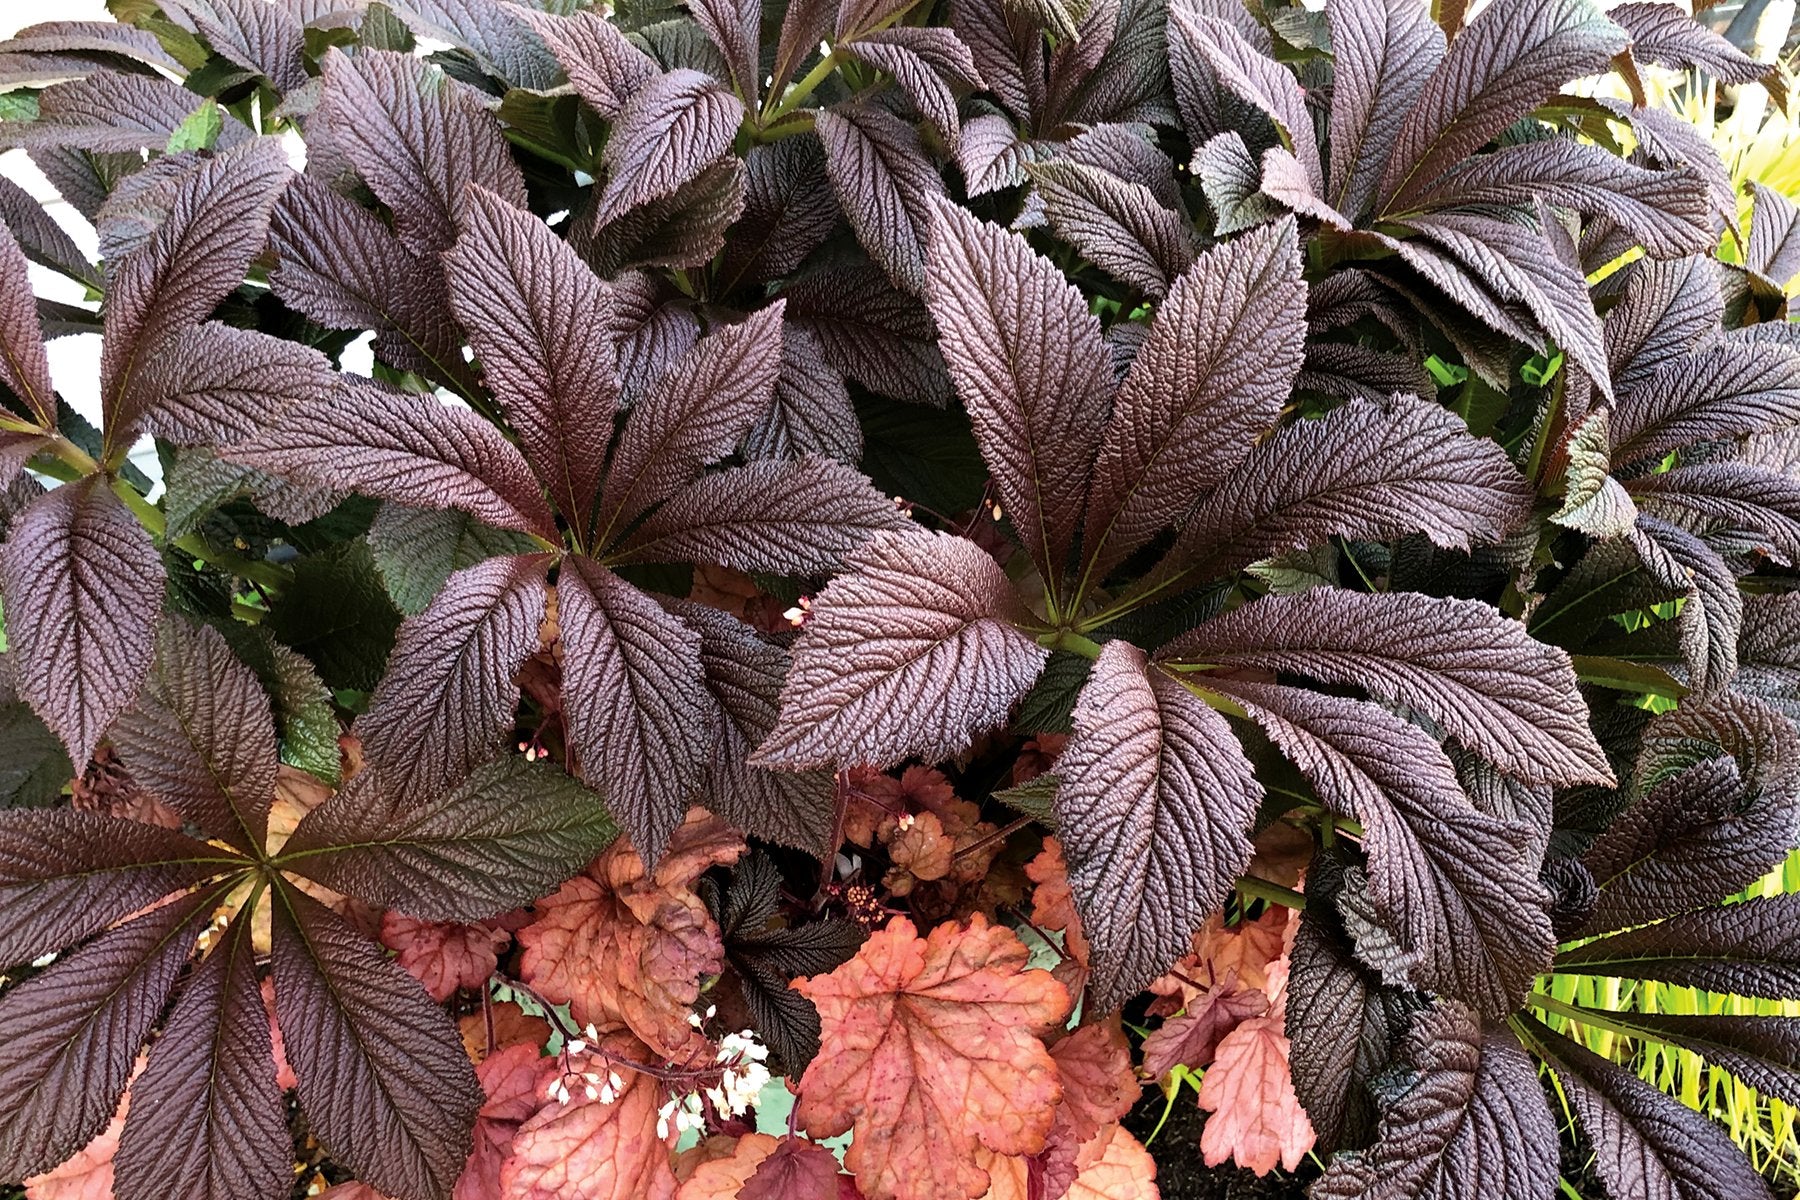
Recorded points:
83,588
1154,813
670,130
383,1076
417,138
209,1121
1462,664
24,367
909,653
1113,1165
445,957
723,1178
449,694
89,1173
1099,1085
538,320
589,1150
783,518
509,1078
508,834
202,736
1027,360
638,713
605,69
411,449
1384,51
1192,1039
1256,1119
1474,1124
931,1052
74,1031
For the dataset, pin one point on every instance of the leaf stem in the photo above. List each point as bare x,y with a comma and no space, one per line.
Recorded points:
1584,1016
808,84
1274,893
1074,643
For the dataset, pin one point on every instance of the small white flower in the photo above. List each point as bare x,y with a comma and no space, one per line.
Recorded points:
577,1046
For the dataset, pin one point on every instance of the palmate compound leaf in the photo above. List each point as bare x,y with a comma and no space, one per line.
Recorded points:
639,716
1154,812
1473,672
930,1052
503,837
82,585
202,736
74,1031
217,384
1724,390
671,129
1455,886
1026,358
1472,1125
417,138
1645,1143
1384,51
207,1119
383,1075
448,696
885,184
910,653
1117,224
1748,949
410,449
1504,64
24,367
1211,377
783,518
538,320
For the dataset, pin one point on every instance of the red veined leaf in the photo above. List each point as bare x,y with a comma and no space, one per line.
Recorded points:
417,139
493,31
605,69
1473,672
267,39
634,692
74,1031
812,413
784,518
410,449
216,384
383,1077
1475,1122
1256,79
1503,65
924,63
694,415
539,321
505,836
1384,51
1454,884
789,210
1747,949
218,222
207,1119
1117,224
1210,378
24,367
342,267
67,874
885,184
91,37
1725,390
1744,502
582,1147
448,695
83,588
671,129
911,652
1027,360
202,736
1154,812
871,331
1664,34
112,112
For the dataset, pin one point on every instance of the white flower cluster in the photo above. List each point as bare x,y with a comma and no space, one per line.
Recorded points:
736,1091
604,1089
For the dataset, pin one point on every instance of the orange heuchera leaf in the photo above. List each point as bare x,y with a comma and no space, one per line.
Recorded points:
919,852
284,1073
1099,1087
587,1150
509,1078
88,1174
931,1049
1114,1166
1053,907
1257,1120
511,1027
443,957
626,949
797,1170
722,1178
1250,948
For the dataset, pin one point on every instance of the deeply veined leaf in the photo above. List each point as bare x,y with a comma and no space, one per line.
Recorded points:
910,652
872,332
1759,507
24,367
1472,1126
1721,391
216,384
1154,812
735,27
417,549
383,1076
784,518
448,696
538,319
1593,501
1472,671
1027,360
1454,884
1667,309
1383,52
1503,65
1760,1051
490,30
410,449
417,139
1774,249
1664,34
202,736
66,874
111,112
885,185
1677,563
218,221
681,231
1117,224
207,1119
670,130
605,69
635,700
40,238
1210,379
505,836
789,210
267,39
1256,79
1748,949
74,1031
812,412
83,587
